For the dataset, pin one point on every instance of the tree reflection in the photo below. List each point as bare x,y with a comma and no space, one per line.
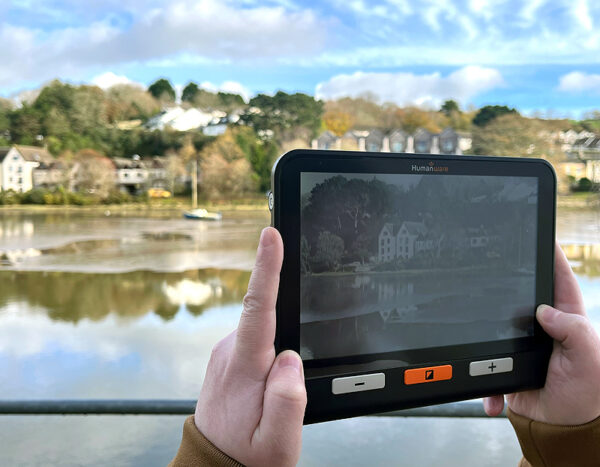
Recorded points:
585,259
74,296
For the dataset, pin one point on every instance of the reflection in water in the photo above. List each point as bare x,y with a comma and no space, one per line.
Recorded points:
149,334
584,259
74,296
11,227
88,242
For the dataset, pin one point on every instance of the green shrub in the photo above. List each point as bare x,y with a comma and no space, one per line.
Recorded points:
35,196
9,197
117,197
584,184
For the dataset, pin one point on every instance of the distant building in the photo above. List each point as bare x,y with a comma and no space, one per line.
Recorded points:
137,174
422,141
327,140
587,150
17,164
399,141
403,241
351,141
374,141
48,175
477,237
181,119
448,142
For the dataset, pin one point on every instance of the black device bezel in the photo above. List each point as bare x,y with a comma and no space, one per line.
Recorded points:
532,351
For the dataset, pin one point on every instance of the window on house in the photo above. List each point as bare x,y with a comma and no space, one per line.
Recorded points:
421,146
372,147
20,181
398,146
447,145
20,169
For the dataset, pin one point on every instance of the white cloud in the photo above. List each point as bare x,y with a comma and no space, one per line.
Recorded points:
582,14
411,89
200,29
110,79
228,86
529,11
578,81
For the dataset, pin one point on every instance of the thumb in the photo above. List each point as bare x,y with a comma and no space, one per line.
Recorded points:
572,331
283,407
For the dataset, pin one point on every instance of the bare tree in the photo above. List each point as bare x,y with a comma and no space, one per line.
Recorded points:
93,173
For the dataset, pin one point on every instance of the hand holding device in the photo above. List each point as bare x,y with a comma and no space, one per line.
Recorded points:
412,280
571,395
252,404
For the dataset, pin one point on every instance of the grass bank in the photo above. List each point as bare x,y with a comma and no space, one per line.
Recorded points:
154,206
583,200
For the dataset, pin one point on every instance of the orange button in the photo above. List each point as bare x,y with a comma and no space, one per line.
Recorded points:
427,375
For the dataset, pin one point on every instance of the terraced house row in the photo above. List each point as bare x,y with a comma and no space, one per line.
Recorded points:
422,141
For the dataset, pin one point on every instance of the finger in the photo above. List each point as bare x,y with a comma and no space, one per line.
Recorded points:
283,408
493,405
572,331
567,294
256,329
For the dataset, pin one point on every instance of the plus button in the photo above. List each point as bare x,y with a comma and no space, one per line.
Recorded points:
491,367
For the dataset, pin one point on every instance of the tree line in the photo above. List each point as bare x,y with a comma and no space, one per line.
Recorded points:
69,119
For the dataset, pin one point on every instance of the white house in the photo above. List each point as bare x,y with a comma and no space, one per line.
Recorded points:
402,241
588,150
17,164
181,119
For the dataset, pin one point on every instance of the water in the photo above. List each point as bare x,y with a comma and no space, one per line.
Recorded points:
95,306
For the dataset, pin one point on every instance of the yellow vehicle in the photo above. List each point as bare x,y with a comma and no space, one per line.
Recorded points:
158,193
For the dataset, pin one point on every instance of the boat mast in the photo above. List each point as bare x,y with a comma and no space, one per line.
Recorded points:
194,183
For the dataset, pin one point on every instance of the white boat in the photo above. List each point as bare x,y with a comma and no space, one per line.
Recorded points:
202,215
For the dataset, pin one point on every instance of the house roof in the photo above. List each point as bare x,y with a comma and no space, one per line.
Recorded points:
29,153
422,133
414,228
375,134
155,162
588,142
393,228
34,154
327,135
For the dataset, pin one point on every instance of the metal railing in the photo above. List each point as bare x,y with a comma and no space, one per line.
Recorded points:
466,409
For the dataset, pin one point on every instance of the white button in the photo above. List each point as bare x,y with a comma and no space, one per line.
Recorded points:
491,367
358,383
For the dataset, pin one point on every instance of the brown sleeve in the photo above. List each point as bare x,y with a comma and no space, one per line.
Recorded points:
556,445
196,450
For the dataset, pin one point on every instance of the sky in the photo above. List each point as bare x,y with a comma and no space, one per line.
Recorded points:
536,55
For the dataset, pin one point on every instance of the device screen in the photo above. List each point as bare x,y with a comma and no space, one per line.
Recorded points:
395,262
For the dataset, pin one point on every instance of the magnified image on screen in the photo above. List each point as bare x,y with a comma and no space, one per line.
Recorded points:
402,261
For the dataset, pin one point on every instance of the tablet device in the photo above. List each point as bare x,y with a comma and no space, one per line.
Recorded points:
411,280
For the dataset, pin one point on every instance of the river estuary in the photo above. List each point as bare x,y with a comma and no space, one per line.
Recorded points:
101,306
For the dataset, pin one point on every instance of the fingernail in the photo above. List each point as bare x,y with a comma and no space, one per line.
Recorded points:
545,313
290,360
266,237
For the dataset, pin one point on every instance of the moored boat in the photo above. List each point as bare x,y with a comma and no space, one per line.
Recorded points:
202,215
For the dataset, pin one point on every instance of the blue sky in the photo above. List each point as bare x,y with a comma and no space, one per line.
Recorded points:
532,54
